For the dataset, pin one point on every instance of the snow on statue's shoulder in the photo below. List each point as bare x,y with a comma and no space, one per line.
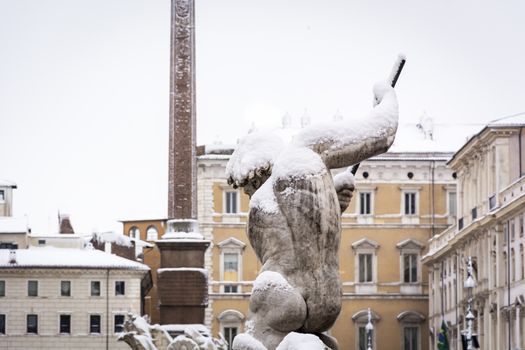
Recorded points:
298,163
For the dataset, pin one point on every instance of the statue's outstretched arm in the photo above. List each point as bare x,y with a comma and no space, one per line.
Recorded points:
344,143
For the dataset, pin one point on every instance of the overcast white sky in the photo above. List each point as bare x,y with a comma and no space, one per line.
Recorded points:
84,84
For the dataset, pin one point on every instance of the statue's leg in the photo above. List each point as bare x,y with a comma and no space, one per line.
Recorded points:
276,309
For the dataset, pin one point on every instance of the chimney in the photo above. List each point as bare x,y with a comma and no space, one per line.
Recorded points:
64,224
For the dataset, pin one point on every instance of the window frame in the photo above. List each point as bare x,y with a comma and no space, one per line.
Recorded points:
27,324
4,331
148,233
415,204
410,272
134,231
226,207
406,326
120,285
70,288
369,201
115,322
368,271
231,246
231,318
60,324
360,247
90,325
28,288
91,288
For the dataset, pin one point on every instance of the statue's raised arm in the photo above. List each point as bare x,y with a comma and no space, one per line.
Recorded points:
344,143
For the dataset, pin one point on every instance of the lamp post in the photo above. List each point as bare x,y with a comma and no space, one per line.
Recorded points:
369,328
469,285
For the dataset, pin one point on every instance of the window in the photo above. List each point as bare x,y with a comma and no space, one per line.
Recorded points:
134,232
231,202
95,288
2,196
65,324
119,323
120,288
365,203
452,203
32,324
94,324
363,338
365,267
231,268
512,265
2,288
230,288
410,203
5,245
230,324
2,323
410,262
522,262
32,288
231,264
41,242
229,334
152,234
521,225
512,230
65,288
410,338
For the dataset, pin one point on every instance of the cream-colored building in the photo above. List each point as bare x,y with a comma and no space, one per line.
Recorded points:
63,298
490,228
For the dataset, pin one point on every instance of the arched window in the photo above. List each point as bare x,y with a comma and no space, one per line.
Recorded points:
410,322
230,324
134,232
360,319
152,234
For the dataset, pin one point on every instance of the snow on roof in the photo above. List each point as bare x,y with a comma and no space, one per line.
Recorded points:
112,237
9,224
42,257
5,183
511,120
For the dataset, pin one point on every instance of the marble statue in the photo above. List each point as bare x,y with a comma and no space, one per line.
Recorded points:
140,335
294,220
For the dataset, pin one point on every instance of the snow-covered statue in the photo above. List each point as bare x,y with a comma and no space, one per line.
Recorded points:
140,335
294,219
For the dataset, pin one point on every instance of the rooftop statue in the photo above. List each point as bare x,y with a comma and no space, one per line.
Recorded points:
294,220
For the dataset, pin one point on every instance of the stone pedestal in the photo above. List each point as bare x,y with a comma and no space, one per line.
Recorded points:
182,282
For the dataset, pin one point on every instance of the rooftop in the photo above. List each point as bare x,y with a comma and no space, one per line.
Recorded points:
50,257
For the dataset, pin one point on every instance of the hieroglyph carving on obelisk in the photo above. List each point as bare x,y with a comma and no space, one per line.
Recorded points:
182,203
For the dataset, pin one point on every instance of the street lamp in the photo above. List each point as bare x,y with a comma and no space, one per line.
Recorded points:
469,285
369,328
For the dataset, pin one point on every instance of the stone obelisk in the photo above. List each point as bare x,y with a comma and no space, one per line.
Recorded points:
182,279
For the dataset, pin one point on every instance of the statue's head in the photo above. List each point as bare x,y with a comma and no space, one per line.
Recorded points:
251,163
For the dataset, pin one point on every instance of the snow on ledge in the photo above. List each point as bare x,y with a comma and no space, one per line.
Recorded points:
43,257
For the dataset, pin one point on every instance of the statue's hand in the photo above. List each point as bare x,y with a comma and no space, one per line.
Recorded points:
344,186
